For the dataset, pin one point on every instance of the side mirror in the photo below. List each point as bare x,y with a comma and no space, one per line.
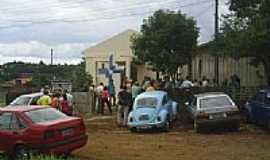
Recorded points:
187,103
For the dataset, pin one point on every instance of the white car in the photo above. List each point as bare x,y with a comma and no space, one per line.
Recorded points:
26,99
31,99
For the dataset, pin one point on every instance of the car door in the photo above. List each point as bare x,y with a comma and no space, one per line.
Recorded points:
9,130
166,105
258,107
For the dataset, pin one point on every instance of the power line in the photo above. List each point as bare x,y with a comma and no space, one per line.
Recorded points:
97,14
93,19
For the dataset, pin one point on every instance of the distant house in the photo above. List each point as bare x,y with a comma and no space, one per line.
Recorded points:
23,78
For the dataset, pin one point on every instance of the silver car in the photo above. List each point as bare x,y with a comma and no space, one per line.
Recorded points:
213,110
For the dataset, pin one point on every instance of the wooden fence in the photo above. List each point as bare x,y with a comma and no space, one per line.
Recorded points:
84,102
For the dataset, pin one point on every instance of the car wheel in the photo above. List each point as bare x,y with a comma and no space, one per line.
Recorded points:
235,127
21,152
167,126
133,130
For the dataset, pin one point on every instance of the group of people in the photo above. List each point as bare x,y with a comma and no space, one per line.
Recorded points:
105,95
59,99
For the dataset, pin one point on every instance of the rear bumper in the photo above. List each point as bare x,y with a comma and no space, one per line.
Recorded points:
219,123
61,147
146,125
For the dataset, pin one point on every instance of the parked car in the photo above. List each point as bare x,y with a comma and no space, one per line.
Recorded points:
152,110
213,110
31,99
30,129
257,109
26,99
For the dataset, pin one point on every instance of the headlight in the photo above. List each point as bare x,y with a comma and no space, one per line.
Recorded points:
130,119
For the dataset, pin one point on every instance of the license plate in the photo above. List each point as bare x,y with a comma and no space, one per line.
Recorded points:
145,127
218,116
67,132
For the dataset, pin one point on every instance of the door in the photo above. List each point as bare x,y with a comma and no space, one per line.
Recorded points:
166,104
8,130
257,107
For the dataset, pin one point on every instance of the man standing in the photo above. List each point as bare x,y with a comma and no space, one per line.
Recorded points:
125,100
187,83
99,89
135,90
111,89
45,100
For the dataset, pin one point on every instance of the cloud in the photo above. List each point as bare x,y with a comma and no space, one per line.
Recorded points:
35,51
29,28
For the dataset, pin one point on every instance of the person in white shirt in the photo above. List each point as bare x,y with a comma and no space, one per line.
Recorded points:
186,83
99,89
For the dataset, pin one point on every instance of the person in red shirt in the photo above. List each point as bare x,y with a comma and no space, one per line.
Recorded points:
105,96
56,100
65,108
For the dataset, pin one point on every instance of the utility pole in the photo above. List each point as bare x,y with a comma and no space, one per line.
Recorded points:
51,56
216,35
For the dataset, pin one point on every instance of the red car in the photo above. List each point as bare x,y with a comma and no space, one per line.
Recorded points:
33,129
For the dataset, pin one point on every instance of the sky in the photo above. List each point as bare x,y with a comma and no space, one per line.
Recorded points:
30,28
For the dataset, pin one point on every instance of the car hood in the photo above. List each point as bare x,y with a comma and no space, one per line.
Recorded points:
145,111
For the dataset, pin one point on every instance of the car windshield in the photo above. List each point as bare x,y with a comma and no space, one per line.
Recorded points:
45,115
147,102
23,100
211,102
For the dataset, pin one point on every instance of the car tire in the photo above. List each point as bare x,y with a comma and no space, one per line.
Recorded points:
167,126
133,130
21,152
235,127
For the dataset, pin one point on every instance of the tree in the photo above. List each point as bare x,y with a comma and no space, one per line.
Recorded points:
166,41
246,32
81,80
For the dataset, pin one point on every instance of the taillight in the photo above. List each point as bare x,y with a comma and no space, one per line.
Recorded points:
203,115
48,134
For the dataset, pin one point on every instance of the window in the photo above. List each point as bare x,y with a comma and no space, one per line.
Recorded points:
147,102
34,100
45,115
5,120
165,100
21,101
8,121
212,102
21,123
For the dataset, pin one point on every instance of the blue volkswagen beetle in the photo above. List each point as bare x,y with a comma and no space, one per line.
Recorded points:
151,110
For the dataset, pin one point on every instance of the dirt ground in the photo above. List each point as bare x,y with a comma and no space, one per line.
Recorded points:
108,142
